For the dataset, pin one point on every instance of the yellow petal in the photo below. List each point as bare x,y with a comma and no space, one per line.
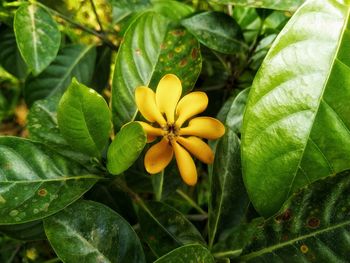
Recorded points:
150,130
151,138
158,157
190,105
204,127
198,148
146,103
185,164
168,93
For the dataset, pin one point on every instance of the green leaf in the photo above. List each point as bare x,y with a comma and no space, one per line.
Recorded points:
126,148
26,232
171,9
42,126
140,62
228,200
285,5
100,79
10,58
36,182
91,232
124,8
217,31
297,120
313,227
72,61
84,119
37,35
165,228
188,253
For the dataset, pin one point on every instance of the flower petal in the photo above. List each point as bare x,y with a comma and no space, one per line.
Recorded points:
150,130
146,103
198,148
185,164
158,157
168,93
190,105
204,127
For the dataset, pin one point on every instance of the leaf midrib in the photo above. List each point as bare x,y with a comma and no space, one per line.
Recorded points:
64,178
32,20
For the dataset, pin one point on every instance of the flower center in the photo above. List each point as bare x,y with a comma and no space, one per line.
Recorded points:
171,131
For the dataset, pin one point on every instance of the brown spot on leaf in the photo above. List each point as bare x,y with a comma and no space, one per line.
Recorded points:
42,192
304,248
313,222
194,53
178,32
183,62
138,51
285,216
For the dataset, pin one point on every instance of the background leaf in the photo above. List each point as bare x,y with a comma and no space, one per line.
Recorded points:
37,35
126,148
228,201
217,31
140,62
36,182
188,253
165,228
84,119
313,226
26,232
171,9
285,5
296,126
91,232
72,61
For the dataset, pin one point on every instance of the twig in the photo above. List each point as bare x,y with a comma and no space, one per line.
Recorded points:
96,15
191,202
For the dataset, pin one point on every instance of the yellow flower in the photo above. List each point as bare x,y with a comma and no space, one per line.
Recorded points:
168,114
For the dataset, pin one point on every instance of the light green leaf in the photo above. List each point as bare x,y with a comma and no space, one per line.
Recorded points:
171,9
228,200
91,232
126,148
188,253
84,119
312,227
36,182
72,61
285,5
297,120
140,62
37,35
10,58
165,228
217,31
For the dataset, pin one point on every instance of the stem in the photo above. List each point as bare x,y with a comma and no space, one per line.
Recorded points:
191,202
229,9
80,26
96,15
13,254
158,181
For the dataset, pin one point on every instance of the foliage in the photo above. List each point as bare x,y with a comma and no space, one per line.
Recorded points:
74,144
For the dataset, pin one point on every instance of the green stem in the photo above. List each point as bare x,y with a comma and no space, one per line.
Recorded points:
191,202
158,181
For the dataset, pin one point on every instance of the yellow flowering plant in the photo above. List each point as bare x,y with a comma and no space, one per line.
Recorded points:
168,115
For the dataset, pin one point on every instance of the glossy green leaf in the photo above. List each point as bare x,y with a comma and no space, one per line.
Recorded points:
10,58
72,61
36,182
285,5
124,8
37,35
313,226
171,8
165,228
297,120
42,126
152,47
228,200
188,253
26,232
84,119
91,232
217,31
126,148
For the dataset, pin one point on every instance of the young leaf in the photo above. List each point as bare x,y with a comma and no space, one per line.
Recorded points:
140,62
72,61
297,120
91,232
10,58
84,119
228,201
285,5
217,31
126,148
188,253
165,228
37,35
36,182
313,227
